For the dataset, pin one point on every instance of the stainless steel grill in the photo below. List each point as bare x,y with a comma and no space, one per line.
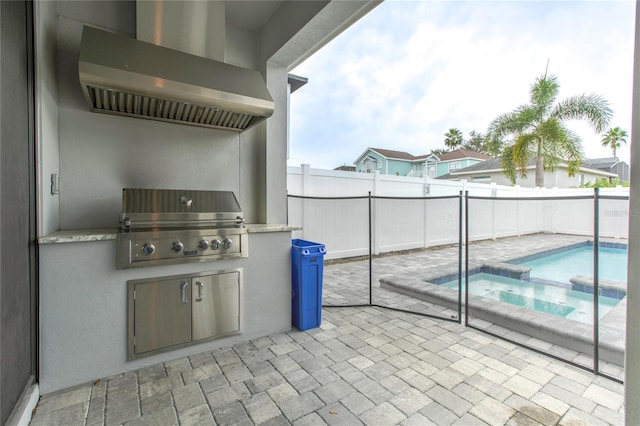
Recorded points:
161,227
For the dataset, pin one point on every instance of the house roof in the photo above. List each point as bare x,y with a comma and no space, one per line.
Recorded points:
402,155
495,164
600,163
425,156
464,153
490,164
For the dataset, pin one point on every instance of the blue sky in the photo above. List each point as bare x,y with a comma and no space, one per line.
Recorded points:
409,71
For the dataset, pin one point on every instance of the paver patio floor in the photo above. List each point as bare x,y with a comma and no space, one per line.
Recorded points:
368,366
364,365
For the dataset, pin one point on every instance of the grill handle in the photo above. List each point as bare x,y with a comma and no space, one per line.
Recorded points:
128,223
200,297
183,292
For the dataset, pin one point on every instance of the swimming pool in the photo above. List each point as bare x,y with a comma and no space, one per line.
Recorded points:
563,265
554,300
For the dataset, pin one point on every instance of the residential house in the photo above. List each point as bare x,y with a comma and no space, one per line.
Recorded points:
457,160
491,171
345,168
611,165
400,163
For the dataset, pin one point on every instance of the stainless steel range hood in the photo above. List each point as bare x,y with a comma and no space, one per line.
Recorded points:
124,76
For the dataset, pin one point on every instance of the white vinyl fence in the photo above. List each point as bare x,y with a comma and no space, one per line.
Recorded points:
424,212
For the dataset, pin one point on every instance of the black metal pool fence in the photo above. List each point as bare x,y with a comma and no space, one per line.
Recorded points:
464,213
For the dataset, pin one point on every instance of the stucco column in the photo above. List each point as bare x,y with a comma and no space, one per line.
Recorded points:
275,154
632,353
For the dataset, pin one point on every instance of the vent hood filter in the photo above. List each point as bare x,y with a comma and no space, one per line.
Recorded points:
123,76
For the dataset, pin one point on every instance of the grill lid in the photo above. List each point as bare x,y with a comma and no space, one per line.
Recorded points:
158,208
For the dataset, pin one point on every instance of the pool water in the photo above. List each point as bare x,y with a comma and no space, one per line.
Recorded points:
564,265
554,300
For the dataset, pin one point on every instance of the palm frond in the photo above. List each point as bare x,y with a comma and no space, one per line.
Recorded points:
561,145
508,165
544,93
525,147
493,145
515,158
573,152
514,122
553,135
593,108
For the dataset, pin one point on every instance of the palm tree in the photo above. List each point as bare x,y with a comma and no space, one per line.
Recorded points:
537,131
613,139
453,139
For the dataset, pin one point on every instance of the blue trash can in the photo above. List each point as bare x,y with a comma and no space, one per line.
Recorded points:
307,261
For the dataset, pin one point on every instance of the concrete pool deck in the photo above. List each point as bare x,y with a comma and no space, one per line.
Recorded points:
347,283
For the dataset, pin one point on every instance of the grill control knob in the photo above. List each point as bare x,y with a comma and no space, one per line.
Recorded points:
177,246
227,243
203,245
148,249
215,244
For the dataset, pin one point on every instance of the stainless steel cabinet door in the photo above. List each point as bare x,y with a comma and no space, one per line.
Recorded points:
162,314
216,305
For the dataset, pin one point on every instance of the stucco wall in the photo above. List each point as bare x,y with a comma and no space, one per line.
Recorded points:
96,155
558,178
46,113
101,154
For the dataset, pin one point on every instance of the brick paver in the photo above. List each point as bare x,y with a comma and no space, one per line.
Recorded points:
439,385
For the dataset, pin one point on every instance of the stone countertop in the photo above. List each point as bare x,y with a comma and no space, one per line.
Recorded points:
105,234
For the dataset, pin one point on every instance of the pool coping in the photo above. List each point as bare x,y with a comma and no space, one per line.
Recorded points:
583,283
609,288
536,256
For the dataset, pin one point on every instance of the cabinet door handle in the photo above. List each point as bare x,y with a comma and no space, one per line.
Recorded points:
183,292
200,297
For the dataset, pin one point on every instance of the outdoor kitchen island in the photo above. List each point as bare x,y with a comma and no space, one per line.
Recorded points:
85,159
83,315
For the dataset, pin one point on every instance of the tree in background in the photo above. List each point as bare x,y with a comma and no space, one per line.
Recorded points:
477,142
453,139
536,130
605,183
613,139
439,151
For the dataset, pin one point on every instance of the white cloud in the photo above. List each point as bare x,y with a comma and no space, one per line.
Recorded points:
409,71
